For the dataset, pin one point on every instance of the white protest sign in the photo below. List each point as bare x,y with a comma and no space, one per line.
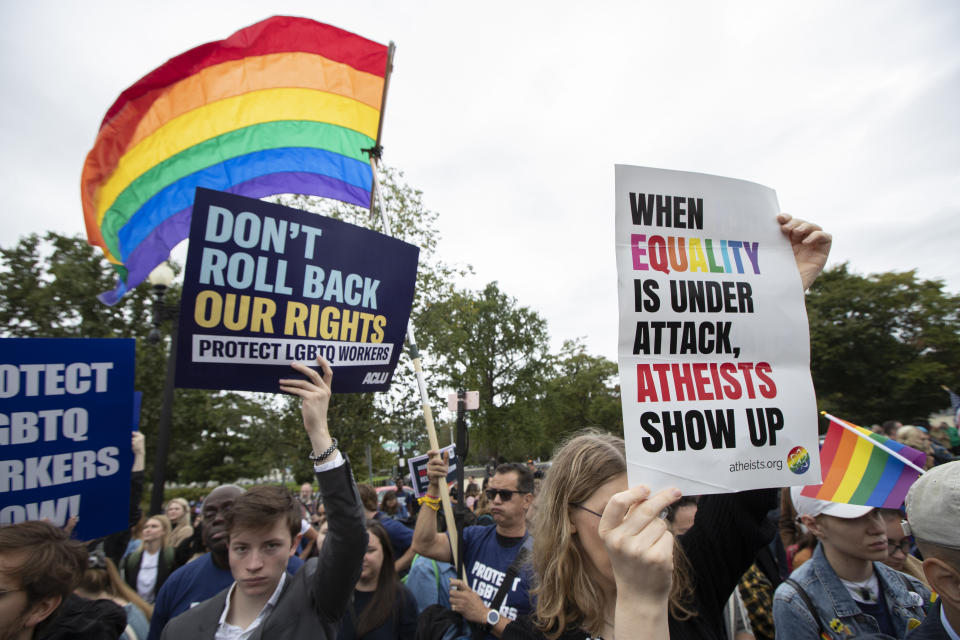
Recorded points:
714,348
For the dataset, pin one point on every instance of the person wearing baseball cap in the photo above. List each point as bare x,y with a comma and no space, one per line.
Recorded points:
845,590
933,518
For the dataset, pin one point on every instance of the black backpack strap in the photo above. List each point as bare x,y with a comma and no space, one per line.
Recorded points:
132,567
806,600
512,572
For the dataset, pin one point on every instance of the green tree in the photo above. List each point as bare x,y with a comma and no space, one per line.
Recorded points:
225,426
486,341
281,443
882,344
584,391
48,288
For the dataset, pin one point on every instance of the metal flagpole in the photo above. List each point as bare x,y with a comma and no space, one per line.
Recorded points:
376,194
375,152
421,383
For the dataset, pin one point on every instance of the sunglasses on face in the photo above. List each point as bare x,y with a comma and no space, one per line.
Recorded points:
505,494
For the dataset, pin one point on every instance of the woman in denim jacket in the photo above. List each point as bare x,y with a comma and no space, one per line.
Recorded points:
853,593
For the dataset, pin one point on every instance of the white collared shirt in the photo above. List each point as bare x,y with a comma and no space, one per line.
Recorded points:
227,631
337,461
147,576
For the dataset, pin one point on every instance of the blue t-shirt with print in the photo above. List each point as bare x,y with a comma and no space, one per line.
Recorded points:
487,561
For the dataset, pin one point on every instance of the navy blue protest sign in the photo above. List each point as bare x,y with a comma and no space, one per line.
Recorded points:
65,410
267,285
418,470
137,402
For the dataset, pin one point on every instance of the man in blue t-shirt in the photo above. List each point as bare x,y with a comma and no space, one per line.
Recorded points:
488,551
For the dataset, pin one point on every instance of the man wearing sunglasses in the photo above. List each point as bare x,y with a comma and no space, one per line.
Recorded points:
489,552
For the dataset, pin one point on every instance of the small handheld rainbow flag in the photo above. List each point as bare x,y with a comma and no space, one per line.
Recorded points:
862,467
287,105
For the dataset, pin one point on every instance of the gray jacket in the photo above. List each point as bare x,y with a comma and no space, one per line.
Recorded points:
838,611
314,600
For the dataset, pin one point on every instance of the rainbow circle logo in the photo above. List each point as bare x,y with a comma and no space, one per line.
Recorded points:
798,460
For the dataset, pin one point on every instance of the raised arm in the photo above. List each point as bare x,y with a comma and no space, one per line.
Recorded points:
811,246
427,541
315,393
116,543
641,553
337,568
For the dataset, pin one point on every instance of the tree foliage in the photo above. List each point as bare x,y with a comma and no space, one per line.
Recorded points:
49,286
882,344
485,341
583,391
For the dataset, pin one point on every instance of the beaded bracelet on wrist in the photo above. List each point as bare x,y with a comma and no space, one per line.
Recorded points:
317,459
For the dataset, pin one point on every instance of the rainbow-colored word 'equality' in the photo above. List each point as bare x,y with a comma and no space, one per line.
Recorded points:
859,469
287,105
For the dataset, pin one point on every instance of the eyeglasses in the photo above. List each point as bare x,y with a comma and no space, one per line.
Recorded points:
4,592
663,514
505,494
580,506
903,546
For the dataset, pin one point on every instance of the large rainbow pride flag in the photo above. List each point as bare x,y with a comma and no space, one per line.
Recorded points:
287,105
862,467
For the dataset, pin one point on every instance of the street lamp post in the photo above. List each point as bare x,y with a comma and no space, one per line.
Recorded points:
161,278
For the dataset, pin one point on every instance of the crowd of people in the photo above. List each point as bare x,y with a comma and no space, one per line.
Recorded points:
575,554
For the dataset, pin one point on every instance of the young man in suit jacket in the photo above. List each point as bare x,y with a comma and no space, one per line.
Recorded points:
263,528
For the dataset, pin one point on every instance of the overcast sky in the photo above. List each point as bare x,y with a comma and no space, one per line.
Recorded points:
511,116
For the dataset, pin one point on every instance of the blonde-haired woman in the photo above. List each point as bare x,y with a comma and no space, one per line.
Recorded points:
603,558
178,512
913,437
146,569
607,566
